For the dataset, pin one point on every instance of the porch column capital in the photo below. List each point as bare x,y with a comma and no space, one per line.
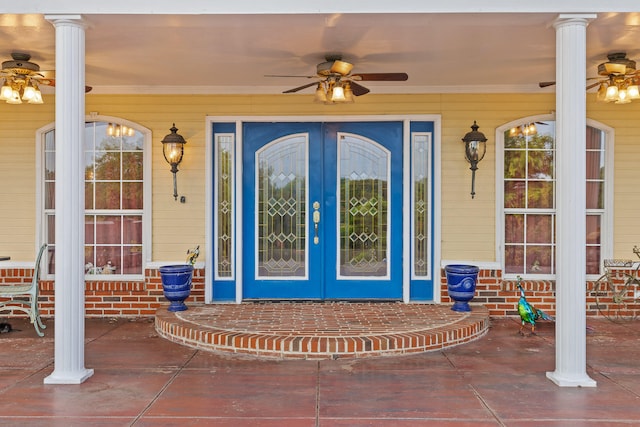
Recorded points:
582,19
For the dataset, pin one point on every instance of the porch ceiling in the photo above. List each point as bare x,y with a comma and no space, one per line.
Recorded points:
232,53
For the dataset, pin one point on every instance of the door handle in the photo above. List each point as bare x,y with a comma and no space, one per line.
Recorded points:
316,221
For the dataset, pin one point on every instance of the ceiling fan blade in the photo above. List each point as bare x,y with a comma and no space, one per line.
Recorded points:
52,82
547,84
282,75
295,89
381,77
46,82
358,89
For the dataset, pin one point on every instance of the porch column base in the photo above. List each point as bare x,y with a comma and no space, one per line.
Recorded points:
74,377
571,380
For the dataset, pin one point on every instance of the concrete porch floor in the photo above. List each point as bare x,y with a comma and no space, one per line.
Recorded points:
143,380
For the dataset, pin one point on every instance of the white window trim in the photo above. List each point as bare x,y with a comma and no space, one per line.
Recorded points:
606,233
147,195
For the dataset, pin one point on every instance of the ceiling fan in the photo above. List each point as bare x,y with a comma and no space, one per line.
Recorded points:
22,79
335,83
617,82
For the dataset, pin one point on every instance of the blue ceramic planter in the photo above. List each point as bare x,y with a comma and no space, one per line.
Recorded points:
461,285
176,284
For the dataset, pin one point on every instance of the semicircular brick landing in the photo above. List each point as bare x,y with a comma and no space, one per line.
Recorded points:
321,330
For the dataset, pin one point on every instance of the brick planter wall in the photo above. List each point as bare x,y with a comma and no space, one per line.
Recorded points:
110,298
142,298
501,296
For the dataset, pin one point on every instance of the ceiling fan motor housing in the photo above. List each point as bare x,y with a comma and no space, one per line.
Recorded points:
20,64
618,64
334,65
324,68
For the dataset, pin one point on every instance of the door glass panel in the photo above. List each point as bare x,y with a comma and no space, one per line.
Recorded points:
363,207
420,205
281,200
225,207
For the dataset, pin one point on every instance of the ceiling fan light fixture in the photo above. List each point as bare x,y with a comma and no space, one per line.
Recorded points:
633,91
37,98
29,92
348,94
338,94
15,98
612,93
321,95
623,97
6,92
602,92
329,92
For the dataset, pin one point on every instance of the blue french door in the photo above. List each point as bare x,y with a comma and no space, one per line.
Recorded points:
321,203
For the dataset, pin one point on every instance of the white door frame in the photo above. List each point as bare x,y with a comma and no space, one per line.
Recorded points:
406,199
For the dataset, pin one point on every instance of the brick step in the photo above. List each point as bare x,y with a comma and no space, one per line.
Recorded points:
321,330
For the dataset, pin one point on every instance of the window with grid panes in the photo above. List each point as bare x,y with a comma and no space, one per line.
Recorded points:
114,196
529,199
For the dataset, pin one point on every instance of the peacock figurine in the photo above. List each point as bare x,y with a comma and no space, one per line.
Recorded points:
528,313
192,255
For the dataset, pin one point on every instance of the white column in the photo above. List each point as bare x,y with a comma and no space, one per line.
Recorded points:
571,125
69,282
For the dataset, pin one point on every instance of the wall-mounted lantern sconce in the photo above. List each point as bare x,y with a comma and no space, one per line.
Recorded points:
475,146
173,149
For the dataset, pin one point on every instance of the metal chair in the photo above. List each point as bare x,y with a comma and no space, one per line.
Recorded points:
25,297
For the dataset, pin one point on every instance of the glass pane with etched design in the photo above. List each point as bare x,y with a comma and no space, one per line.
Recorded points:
281,200
224,205
364,204
420,202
